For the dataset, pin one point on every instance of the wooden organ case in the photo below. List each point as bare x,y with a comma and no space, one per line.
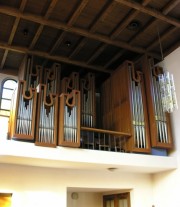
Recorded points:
23,112
124,106
159,121
50,111
69,124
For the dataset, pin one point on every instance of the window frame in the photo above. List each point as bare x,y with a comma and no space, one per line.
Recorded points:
116,197
6,111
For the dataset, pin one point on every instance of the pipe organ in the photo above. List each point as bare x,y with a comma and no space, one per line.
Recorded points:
46,125
88,108
125,109
51,111
159,121
22,115
69,124
70,83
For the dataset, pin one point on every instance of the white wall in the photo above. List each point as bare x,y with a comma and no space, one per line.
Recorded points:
35,186
166,185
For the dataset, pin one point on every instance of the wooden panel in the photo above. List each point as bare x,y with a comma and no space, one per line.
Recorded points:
30,73
124,107
52,78
70,83
88,108
160,125
47,117
69,124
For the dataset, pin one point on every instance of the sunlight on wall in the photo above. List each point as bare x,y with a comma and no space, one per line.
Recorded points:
33,199
4,127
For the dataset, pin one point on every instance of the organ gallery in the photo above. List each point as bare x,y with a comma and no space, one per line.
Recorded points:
124,113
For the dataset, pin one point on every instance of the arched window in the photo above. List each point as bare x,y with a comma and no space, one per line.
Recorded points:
6,92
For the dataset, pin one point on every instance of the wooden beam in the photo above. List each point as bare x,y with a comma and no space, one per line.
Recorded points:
152,23
70,22
102,15
77,12
149,11
46,55
13,31
173,47
126,20
78,48
40,29
170,6
165,35
117,56
94,26
97,53
40,20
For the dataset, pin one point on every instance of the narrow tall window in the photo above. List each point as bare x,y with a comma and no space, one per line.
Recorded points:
6,92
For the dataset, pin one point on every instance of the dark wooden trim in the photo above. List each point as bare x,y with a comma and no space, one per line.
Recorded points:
40,29
149,11
152,23
78,47
162,37
96,53
46,55
13,31
127,19
40,20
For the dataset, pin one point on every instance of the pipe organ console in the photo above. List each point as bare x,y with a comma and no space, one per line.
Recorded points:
51,111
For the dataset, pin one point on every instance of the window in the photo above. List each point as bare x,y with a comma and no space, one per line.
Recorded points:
5,199
117,200
6,92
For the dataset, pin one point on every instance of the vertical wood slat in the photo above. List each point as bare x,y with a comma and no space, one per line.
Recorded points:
88,101
118,102
69,123
52,78
148,67
23,113
47,118
70,83
30,73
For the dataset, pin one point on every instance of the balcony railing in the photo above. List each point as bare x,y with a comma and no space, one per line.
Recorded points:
101,139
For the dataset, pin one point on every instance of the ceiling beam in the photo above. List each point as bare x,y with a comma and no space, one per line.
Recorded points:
172,48
127,19
105,11
78,47
117,56
13,31
46,55
38,19
70,22
97,53
40,29
159,40
149,11
153,22
102,16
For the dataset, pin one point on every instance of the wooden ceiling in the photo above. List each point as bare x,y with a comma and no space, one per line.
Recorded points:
86,35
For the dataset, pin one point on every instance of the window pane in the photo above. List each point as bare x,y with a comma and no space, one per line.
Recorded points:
10,84
5,104
7,93
123,203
